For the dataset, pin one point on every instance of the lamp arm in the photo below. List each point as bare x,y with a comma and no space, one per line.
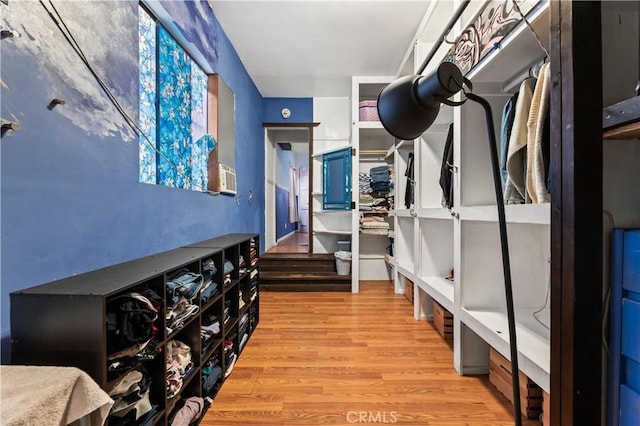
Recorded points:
506,267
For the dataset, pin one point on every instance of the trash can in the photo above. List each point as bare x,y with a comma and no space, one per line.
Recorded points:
343,262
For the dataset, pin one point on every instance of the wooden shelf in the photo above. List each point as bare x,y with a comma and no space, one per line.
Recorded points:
326,231
515,213
434,213
376,212
367,231
533,337
438,288
629,131
622,120
370,125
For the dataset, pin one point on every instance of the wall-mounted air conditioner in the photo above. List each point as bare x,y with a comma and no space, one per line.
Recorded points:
227,179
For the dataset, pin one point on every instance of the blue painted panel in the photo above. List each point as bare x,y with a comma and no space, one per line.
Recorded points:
631,329
631,278
336,176
301,110
629,407
283,226
632,376
78,204
632,296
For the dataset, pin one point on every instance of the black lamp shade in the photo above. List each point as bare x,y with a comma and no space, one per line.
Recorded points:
409,105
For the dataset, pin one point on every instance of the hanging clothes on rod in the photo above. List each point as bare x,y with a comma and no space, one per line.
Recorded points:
532,71
528,148
508,115
539,141
515,187
408,193
446,171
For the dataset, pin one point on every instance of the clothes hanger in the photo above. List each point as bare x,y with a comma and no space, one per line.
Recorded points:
534,70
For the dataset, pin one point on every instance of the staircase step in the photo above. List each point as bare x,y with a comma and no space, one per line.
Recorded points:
301,276
298,262
301,272
305,282
309,267
311,257
306,286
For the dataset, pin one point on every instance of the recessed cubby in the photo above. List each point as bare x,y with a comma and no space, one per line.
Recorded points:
481,275
435,269
428,167
474,161
483,302
404,152
404,244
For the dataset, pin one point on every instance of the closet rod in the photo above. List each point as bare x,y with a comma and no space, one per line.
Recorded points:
443,36
529,71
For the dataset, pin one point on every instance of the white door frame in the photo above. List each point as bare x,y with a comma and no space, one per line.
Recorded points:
269,191
270,180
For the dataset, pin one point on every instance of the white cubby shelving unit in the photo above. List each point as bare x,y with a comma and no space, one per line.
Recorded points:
432,241
374,147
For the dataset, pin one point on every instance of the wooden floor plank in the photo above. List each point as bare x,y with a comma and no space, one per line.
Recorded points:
327,359
297,242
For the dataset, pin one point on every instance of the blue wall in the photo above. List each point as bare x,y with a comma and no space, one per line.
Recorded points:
283,159
301,110
71,201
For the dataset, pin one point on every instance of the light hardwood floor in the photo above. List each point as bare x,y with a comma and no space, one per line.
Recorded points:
298,242
340,358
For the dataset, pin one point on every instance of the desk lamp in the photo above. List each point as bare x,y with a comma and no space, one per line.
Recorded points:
407,107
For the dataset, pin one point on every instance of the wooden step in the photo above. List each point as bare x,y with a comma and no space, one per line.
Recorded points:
298,262
301,281
301,272
311,257
308,267
306,286
301,276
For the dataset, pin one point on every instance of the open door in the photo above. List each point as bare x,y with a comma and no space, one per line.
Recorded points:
281,138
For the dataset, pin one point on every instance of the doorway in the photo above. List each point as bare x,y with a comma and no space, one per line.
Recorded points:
288,173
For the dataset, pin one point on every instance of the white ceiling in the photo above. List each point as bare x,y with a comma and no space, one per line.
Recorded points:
312,48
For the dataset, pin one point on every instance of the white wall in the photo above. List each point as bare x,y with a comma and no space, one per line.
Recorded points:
334,132
334,116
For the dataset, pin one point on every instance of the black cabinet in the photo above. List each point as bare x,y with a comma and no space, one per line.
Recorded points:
180,319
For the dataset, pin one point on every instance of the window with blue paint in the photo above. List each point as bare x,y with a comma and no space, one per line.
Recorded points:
174,147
